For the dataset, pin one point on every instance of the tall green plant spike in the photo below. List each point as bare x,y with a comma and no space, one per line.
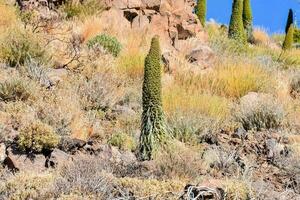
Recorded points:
289,38
153,129
290,20
201,11
236,27
248,20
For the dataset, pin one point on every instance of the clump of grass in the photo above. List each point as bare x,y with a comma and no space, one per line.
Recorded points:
14,90
26,185
234,80
179,99
290,59
37,137
260,37
107,42
131,63
123,142
19,46
147,188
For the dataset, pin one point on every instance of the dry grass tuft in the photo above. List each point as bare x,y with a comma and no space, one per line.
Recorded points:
90,28
261,37
177,99
151,188
235,79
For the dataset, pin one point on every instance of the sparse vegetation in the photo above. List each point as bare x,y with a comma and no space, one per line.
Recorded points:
257,112
218,114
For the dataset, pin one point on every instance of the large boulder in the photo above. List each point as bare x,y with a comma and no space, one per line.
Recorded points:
167,18
57,158
18,161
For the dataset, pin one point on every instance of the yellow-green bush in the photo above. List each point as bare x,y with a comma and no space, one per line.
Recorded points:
37,137
14,90
18,46
123,141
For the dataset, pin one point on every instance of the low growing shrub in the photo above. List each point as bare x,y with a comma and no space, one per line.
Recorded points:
259,111
37,137
85,176
17,47
107,42
101,92
123,141
14,90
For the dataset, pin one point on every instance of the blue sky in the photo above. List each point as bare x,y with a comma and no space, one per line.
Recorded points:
270,14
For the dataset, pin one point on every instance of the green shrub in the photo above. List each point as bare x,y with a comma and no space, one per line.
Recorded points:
109,43
122,141
14,90
18,47
37,137
290,20
247,20
82,8
236,28
288,41
153,128
201,11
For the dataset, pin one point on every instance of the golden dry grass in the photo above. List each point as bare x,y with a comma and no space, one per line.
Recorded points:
235,79
177,99
90,28
261,37
8,16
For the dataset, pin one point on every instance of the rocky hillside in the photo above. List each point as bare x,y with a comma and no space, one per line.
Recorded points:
71,78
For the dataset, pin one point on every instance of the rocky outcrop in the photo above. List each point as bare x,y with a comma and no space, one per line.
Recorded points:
171,20
69,149
18,161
